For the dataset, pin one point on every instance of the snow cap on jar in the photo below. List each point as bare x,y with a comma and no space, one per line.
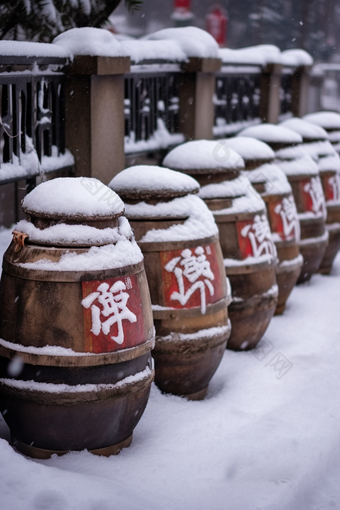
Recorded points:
73,198
143,182
330,121
200,157
275,136
253,151
309,132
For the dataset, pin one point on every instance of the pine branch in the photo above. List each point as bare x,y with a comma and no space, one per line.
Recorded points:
47,18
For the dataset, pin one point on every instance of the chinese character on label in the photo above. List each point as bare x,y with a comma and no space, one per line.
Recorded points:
191,266
332,187
258,238
128,282
313,189
290,227
108,307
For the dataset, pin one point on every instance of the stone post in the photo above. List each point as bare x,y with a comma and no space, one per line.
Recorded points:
270,93
94,113
196,91
300,85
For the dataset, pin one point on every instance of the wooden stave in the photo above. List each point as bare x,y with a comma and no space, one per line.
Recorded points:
135,360
185,367
181,321
250,320
286,250
310,228
333,213
333,227
312,253
68,323
332,248
243,279
60,421
43,453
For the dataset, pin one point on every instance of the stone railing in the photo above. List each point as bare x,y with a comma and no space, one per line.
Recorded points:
92,115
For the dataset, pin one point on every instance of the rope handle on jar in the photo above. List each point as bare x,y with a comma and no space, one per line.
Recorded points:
19,239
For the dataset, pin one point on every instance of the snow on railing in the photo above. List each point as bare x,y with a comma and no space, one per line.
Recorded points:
32,121
151,108
32,83
239,85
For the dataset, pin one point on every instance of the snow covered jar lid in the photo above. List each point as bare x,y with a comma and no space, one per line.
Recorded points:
330,121
168,200
269,180
329,164
303,166
72,199
309,132
253,151
207,160
144,182
277,137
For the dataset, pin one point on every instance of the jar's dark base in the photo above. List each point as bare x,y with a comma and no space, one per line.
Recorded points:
250,319
280,309
286,282
312,255
41,453
199,395
325,270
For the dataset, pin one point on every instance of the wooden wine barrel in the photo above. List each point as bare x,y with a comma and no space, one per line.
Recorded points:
330,122
306,186
277,137
76,316
184,267
236,207
309,132
250,267
329,168
320,139
271,183
303,176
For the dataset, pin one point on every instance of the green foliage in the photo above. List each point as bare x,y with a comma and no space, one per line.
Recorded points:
42,20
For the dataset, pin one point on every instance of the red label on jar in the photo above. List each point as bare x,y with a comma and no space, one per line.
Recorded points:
113,314
331,187
191,277
254,237
284,219
313,198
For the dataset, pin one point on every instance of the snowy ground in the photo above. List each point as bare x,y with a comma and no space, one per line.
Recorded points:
262,439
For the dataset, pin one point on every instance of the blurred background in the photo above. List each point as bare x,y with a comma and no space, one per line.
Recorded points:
308,24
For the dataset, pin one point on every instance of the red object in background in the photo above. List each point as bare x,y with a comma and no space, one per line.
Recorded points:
216,24
182,4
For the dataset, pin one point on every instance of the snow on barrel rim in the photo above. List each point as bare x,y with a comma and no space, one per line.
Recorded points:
327,120
304,165
227,189
144,182
271,133
307,130
77,198
251,149
202,156
273,177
